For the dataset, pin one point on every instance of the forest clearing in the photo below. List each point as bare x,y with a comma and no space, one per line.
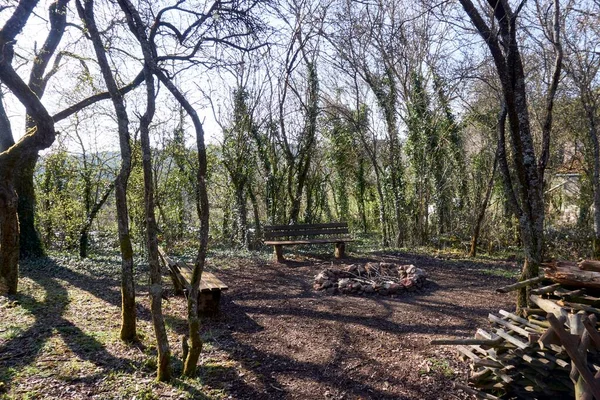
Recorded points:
402,159
275,338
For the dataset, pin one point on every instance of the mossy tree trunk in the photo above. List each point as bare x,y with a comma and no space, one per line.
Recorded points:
9,236
30,242
128,311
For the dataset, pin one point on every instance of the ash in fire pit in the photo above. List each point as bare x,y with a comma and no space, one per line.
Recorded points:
385,279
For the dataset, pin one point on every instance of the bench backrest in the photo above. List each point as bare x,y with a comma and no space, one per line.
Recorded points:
278,231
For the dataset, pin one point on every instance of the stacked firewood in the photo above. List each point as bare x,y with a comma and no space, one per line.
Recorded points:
552,351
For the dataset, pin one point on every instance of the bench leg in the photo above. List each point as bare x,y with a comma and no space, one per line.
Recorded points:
340,250
209,303
279,253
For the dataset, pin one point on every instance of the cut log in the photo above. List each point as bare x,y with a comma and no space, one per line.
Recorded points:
487,363
508,325
579,307
589,265
569,293
519,343
519,285
483,334
534,311
476,393
480,375
571,346
546,289
485,342
520,320
569,274
549,306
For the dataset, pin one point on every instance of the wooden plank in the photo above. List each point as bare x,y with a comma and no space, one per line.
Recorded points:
209,281
483,334
307,241
166,259
590,325
579,307
508,325
269,228
520,320
520,344
186,272
467,352
476,393
485,342
213,282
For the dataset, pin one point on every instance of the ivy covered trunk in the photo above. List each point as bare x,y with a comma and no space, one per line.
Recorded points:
9,236
308,143
241,215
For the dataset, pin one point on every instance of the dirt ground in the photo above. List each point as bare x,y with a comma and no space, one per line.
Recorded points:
276,337
300,344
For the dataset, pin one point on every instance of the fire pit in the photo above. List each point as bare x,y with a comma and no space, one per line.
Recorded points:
386,279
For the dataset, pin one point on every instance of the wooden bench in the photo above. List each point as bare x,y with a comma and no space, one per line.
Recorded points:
209,293
284,235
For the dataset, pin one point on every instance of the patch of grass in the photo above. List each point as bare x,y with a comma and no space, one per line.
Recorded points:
438,366
11,332
502,273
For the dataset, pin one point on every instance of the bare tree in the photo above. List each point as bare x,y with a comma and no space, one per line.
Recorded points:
40,135
205,28
525,193
582,63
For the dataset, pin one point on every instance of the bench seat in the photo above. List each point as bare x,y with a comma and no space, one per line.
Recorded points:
307,241
289,235
211,287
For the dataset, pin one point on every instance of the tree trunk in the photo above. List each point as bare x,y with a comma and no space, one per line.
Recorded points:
481,215
156,290
128,311
385,241
526,194
257,225
202,205
9,236
241,214
593,132
30,243
128,323
361,191
308,141
93,212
